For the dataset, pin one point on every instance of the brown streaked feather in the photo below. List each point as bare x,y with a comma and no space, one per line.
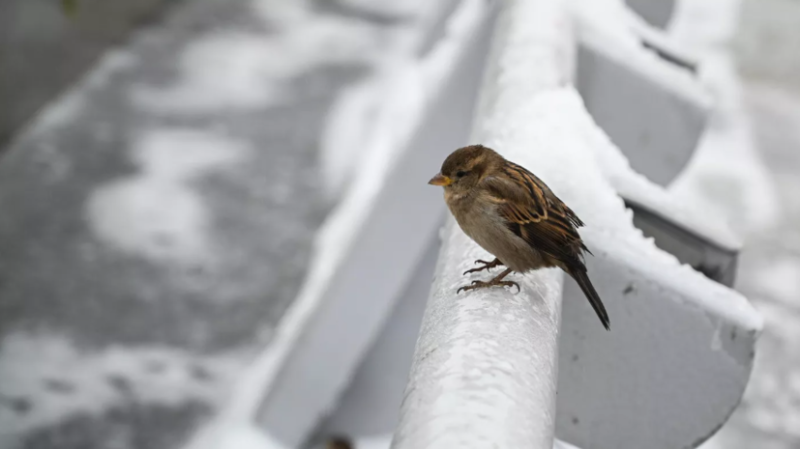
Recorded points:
552,230
536,215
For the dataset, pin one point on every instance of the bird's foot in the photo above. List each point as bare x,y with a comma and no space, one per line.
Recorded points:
486,265
481,284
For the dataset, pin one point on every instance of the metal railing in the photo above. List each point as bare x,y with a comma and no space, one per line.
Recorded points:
502,369
680,351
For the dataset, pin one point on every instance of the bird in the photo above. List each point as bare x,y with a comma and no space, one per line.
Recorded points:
515,216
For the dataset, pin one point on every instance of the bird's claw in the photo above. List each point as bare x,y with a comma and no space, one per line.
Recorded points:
486,266
481,284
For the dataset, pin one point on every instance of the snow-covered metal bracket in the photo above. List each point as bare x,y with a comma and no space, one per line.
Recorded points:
621,62
644,92
681,347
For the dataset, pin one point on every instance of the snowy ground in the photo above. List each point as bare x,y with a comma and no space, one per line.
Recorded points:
158,218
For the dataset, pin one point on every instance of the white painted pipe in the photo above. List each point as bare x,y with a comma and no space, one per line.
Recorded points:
485,366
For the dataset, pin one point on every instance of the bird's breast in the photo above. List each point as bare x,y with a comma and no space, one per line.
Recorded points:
483,224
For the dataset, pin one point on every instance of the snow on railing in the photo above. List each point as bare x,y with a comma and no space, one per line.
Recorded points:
622,60
366,256
681,346
487,364
485,367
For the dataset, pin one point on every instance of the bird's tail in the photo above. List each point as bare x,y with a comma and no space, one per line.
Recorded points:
583,281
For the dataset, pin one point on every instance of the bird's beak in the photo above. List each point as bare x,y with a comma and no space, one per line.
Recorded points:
440,180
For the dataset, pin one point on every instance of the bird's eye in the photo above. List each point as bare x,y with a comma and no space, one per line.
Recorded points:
461,174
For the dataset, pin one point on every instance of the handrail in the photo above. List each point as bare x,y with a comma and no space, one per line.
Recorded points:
485,367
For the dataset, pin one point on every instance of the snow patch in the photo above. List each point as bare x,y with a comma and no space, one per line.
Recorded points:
57,379
781,325
63,110
726,177
374,116
245,436
373,442
381,108
156,213
780,280
614,30
231,69
402,9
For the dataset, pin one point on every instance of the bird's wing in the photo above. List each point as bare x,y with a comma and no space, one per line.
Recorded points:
535,214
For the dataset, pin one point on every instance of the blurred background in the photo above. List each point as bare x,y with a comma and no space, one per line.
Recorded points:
165,166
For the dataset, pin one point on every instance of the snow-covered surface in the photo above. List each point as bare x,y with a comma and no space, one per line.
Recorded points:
635,187
252,70
157,218
610,26
171,376
380,110
617,226
766,41
726,177
678,204
84,382
769,270
281,375
747,170
643,369
648,295
615,70
485,362
156,213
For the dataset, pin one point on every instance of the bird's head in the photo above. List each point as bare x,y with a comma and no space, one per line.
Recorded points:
465,167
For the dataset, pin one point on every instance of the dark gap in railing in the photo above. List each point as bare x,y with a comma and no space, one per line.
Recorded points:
716,263
670,57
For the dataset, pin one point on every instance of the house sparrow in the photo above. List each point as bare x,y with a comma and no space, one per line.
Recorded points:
512,214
